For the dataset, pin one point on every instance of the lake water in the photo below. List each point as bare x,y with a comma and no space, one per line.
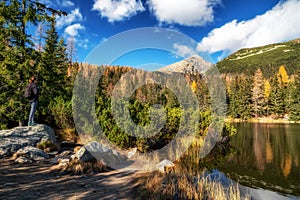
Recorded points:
267,157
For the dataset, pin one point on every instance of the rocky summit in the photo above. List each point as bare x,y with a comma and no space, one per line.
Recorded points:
13,140
191,65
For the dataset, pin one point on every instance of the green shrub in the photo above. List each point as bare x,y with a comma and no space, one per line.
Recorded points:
61,111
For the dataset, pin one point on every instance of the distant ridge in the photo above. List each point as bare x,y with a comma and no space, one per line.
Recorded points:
268,58
193,64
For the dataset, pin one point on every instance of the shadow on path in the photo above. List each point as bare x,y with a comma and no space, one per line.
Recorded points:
45,181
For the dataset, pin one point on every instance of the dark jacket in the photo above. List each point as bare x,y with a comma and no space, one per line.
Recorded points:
35,91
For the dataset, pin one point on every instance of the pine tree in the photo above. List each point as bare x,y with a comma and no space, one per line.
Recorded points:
294,113
62,70
240,98
233,99
289,95
280,96
276,100
18,58
52,69
245,108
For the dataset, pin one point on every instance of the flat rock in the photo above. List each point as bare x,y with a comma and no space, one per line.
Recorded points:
32,153
19,137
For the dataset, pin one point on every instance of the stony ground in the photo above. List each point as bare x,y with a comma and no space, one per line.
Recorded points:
44,180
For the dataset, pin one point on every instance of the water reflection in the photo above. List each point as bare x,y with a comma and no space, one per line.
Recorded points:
267,157
253,193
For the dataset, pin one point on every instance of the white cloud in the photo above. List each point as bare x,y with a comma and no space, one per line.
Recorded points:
75,15
118,10
183,51
281,23
184,12
83,43
67,3
73,30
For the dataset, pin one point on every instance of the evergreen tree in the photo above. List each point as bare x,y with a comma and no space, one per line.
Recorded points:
289,95
280,96
276,100
62,68
240,98
18,58
233,98
52,69
245,109
294,113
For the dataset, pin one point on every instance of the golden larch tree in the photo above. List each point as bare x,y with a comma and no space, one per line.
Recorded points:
282,76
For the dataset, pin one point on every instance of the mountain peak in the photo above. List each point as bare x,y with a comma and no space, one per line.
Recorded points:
192,64
195,56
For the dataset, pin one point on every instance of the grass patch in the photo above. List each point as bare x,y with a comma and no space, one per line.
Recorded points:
68,134
91,167
173,185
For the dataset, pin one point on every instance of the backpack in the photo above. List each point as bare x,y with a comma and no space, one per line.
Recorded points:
28,92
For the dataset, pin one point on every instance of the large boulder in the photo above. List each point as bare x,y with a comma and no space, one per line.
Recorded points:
17,138
101,152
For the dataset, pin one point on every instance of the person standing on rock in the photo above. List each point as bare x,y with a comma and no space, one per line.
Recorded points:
32,94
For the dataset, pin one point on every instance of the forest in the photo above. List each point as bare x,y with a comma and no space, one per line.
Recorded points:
254,96
50,58
23,55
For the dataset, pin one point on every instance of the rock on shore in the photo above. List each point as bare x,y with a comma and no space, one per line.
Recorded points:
17,138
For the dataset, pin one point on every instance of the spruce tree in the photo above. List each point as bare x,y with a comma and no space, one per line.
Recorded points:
281,94
240,98
17,55
18,58
276,100
233,99
52,69
294,112
244,97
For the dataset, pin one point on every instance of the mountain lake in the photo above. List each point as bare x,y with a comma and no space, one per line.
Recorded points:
265,161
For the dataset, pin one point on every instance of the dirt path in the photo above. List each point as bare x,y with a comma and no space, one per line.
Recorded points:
45,181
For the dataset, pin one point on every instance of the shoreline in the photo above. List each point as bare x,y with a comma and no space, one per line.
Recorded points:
261,120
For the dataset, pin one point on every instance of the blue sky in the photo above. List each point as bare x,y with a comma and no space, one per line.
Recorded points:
219,27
